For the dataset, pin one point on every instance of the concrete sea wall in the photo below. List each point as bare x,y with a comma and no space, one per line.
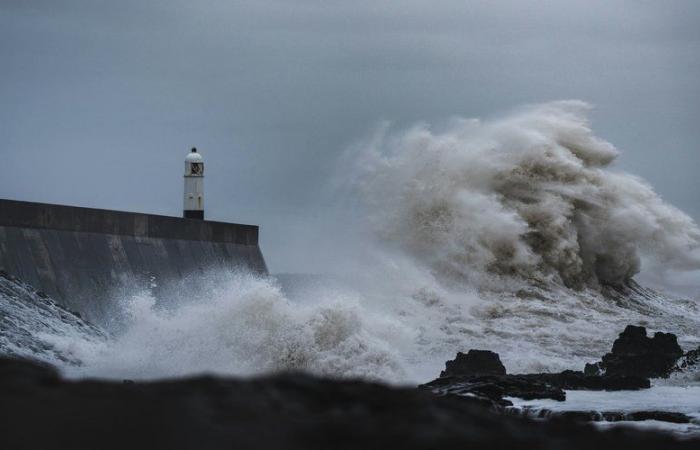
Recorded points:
83,257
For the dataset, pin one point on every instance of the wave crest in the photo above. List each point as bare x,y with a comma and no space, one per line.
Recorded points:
530,195
241,324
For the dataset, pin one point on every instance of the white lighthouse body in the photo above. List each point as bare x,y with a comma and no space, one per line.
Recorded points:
194,186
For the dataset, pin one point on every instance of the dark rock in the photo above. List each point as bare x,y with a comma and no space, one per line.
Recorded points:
496,387
607,416
20,373
593,370
531,386
690,360
634,353
662,416
480,375
610,416
578,416
474,363
276,412
573,380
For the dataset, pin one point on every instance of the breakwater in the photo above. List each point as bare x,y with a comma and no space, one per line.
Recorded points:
83,256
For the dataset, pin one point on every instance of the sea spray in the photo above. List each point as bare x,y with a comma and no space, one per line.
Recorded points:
530,195
32,325
513,235
244,326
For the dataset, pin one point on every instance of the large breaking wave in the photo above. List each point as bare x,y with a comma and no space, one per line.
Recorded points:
512,235
529,195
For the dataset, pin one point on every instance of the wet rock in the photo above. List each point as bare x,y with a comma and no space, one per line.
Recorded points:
606,416
481,376
593,370
690,360
635,354
574,380
284,411
474,363
662,416
20,373
496,387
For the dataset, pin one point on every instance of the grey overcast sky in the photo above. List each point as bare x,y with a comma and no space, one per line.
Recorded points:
101,100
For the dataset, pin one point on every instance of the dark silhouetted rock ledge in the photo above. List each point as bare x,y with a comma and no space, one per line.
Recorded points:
493,388
634,359
39,410
606,416
633,353
474,363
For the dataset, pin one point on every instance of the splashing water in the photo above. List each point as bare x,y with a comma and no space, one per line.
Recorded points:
529,195
32,325
511,235
243,325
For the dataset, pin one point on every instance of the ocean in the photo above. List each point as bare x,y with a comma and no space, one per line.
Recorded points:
514,235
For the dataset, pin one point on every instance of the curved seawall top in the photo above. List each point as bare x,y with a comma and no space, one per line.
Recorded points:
84,257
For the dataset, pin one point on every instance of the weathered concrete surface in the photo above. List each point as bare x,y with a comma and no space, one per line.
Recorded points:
80,256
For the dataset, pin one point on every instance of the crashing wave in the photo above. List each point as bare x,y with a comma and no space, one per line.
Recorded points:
32,325
513,235
529,195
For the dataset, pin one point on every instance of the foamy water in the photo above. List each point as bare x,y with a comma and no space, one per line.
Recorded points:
246,325
530,195
502,235
679,399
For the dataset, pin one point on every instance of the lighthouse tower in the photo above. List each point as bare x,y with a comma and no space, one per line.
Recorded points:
194,186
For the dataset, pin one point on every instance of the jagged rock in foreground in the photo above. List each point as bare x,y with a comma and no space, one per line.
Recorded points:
474,363
634,359
530,386
493,388
608,416
480,375
41,411
576,381
634,353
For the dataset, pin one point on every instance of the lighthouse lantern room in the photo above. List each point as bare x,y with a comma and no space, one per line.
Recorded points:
194,186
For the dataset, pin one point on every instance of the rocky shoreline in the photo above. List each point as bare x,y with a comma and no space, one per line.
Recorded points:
467,407
635,359
39,410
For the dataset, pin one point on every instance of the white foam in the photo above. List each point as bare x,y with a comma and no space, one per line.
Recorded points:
529,195
680,399
244,326
493,235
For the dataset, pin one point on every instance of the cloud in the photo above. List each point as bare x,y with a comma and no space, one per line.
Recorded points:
101,100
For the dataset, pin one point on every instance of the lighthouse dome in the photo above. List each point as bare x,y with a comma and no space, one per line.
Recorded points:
193,157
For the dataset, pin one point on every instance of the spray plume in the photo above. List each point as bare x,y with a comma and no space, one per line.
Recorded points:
530,195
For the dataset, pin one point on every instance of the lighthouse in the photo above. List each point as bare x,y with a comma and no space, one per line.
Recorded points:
194,186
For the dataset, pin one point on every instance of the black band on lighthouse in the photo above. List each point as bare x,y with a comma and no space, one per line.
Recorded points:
189,214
